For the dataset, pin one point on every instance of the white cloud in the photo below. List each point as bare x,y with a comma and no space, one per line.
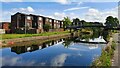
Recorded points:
62,1
100,15
79,3
61,15
59,60
93,47
74,48
6,15
11,0
16,61
30,9
75,8
100,39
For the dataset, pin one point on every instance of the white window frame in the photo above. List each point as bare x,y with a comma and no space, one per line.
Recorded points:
50,20
40,25
54,20
28,17
61,22
40,18
47,19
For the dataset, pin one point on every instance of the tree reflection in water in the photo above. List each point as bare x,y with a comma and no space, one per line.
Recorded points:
96,33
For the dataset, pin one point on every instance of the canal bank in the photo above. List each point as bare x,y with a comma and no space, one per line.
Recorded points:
12,42
109,55
61,52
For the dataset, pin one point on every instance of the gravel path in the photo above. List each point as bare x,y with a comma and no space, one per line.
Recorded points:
116,60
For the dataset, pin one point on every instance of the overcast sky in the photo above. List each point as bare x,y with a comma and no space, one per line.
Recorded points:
90,11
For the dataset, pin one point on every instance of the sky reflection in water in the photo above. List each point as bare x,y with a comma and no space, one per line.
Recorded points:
77,54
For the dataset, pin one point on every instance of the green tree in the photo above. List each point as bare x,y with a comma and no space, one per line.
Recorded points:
66,22
46,27
83,22
76,21
111,22
116,22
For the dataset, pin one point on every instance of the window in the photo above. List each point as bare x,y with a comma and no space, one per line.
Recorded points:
28,17
28,24
54,20
62,22
57,21
46,19
50,20
35,24
40,25
54,25
40,18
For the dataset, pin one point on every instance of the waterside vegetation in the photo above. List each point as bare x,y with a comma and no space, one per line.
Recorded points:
106,57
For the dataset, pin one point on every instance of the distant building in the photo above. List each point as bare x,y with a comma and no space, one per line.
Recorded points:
29,23
5,26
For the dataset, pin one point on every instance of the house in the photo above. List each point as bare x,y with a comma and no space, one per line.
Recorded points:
37,22
5,26
30,23
24,23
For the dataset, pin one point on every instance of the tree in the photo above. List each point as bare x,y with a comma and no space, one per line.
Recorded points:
83,22
116,22
46,27
111,22
76,21
66,22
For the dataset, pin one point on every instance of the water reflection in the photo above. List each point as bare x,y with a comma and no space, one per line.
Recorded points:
89,39
78,50
23,49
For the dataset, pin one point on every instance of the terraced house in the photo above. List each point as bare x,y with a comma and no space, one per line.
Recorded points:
30,23
5,26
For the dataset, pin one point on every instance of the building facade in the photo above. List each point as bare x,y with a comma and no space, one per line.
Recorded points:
5,26
29,23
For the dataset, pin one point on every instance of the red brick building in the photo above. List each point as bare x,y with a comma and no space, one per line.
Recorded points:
6,26
29,23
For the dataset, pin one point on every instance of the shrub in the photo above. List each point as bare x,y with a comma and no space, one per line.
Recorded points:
46,27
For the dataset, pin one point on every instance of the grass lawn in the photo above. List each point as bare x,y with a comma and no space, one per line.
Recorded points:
11,36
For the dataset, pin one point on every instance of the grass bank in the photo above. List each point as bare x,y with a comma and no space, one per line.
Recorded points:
12,36
106,56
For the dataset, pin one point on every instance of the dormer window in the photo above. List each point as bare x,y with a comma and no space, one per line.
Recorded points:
40,18
28,17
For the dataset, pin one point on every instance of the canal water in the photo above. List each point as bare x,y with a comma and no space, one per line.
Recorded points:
79,50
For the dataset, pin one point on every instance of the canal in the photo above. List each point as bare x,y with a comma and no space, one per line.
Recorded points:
80,50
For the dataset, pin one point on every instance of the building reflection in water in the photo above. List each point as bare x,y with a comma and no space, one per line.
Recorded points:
23,49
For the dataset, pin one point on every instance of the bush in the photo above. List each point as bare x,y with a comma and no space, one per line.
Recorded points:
46,27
